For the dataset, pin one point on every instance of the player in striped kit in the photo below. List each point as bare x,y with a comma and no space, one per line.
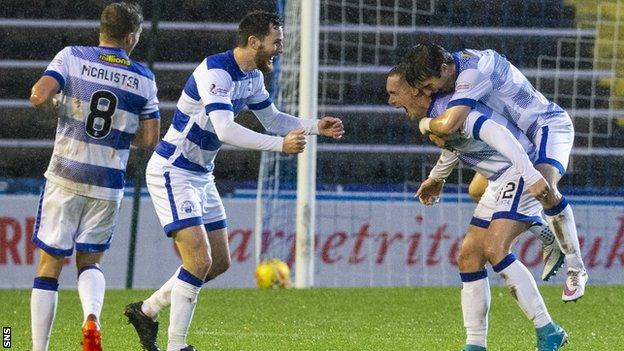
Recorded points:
487,77
105,103
179,174
498,150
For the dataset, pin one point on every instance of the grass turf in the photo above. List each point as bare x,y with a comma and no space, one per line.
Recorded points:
333,319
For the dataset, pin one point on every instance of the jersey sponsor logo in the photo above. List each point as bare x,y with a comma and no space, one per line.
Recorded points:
188,207
464,55
110,58
462,86
218,91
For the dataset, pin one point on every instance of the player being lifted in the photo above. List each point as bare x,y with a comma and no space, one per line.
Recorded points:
487,77
103,99
505,211
179,174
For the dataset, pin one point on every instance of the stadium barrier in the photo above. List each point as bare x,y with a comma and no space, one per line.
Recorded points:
374,239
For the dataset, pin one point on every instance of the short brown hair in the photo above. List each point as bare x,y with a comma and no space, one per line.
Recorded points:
256,23
120,19
424,61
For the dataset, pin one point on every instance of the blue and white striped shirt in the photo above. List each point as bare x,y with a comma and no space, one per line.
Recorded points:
103,95
468,146
488,77
217,84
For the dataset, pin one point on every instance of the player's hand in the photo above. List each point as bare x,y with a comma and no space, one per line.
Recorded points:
331,127
437,140
294,142
429,191
423,125
540,190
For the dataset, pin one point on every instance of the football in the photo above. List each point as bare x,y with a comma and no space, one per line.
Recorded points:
273,273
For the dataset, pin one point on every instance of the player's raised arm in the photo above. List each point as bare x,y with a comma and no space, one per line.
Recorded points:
42,93
429,191
434,70
53,80
447,123
501,139
280,123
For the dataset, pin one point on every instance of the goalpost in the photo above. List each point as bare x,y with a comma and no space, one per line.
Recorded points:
306,162
297,93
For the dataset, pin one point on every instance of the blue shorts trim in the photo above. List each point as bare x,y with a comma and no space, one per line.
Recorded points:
183,223
49,249
172,204
40,244
516,217
552,162
83,247
541,156
216,225
481,223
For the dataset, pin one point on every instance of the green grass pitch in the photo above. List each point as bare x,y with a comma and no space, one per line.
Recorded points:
334,319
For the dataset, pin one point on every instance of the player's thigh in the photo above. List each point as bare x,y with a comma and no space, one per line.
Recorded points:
502,234
472,252
554,143
477,187
215,222
220,251
194,248
59,215
95,233
49,265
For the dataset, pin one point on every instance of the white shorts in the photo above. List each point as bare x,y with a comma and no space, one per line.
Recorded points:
183,198
65,220
507,197
554,142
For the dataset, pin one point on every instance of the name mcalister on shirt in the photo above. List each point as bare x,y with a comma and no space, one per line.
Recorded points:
115,77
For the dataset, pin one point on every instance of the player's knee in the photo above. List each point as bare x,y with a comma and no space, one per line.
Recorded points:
495,249
203,263
49,265
84,259
470,259
221,265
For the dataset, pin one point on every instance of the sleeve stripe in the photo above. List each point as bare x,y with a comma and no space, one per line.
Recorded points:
59,78
218,106
261,105
476,129
462,102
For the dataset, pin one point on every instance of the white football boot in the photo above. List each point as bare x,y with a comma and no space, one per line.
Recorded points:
551,252
574,286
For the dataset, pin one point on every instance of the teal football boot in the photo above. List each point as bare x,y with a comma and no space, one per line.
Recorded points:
550,337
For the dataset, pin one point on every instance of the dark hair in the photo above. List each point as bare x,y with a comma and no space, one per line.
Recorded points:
424,61
256,23
120,19
398,70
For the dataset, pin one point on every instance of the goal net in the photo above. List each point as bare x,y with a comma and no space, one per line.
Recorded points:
370,231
